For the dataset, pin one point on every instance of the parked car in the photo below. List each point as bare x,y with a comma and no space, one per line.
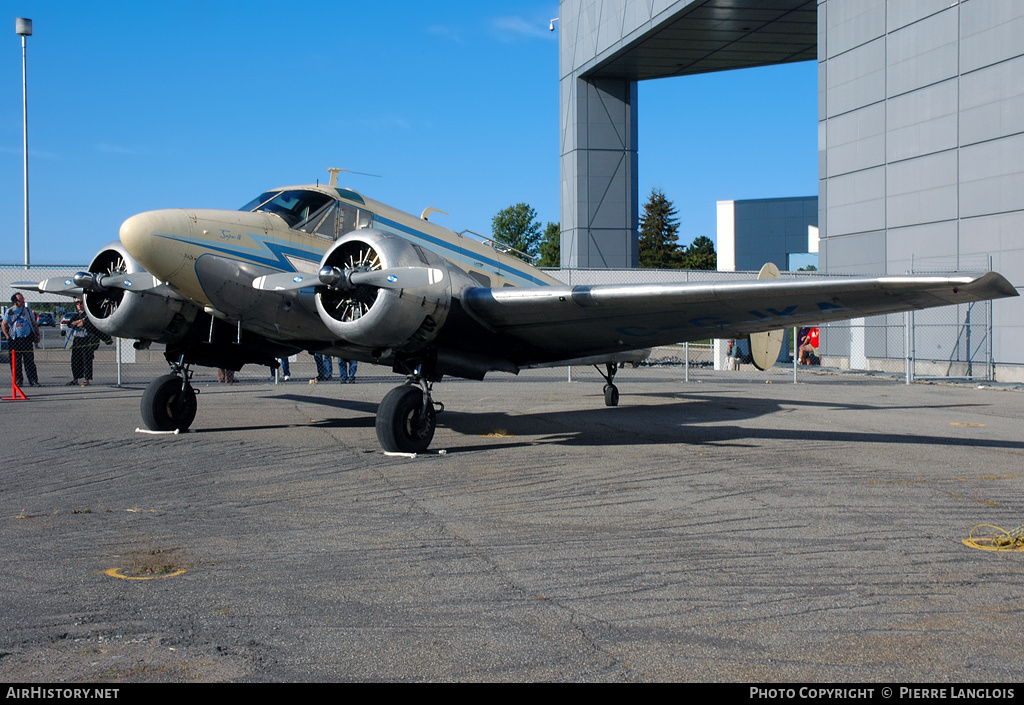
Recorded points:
46,319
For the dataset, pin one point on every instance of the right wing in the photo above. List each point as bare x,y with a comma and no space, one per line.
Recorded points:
561,322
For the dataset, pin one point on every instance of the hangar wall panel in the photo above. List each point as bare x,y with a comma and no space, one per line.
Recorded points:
921,122
949,78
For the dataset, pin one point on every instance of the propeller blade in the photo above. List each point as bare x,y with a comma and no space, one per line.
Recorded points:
54,285
285,281
140,281
399,277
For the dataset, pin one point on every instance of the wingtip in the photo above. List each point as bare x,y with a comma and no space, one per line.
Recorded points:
995,284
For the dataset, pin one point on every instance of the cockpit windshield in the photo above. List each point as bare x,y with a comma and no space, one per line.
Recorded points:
295,206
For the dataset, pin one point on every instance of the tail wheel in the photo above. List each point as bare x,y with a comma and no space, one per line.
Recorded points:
168,404
404,424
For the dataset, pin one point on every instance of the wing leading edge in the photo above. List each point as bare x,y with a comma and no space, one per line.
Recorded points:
560,322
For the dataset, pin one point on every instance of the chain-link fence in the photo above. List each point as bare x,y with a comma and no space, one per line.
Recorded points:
952,342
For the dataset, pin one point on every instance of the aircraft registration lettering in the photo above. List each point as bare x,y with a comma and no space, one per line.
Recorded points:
703,322
773,313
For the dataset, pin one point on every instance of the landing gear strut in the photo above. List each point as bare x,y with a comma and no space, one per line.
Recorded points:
407,417
169,402
611,392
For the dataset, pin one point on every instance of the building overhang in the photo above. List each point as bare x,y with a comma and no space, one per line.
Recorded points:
700,36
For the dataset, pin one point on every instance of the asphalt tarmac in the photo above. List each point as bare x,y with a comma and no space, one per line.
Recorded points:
723,529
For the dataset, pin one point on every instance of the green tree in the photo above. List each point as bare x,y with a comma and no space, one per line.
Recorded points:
550,246
517,227
700,254
658,228
808,268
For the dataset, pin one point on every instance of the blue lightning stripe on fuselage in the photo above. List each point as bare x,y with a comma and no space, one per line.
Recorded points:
448,248
278,251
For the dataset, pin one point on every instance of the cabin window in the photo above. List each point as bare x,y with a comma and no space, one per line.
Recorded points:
340,219
481,279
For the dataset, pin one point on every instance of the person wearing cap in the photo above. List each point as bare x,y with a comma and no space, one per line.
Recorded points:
85,338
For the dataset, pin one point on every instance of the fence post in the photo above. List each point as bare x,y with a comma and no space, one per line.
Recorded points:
988,333
908,355
796,352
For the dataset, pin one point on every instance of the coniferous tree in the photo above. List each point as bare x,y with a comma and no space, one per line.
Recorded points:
658,228
700,254
550,246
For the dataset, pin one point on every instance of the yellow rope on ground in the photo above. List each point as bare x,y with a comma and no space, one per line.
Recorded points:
1003,540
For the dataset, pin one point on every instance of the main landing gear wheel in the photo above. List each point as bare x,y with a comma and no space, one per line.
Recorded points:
406,420
168,404
611,395
611,392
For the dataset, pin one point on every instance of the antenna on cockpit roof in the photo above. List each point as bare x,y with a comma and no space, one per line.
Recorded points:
334,171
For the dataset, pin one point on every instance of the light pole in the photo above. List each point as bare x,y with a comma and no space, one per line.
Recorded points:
23,27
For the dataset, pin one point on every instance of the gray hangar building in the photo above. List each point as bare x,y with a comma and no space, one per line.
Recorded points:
920,132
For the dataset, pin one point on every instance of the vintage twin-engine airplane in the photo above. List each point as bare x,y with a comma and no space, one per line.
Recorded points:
324,269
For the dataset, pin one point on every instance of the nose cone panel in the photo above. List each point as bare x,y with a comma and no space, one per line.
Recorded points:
158,240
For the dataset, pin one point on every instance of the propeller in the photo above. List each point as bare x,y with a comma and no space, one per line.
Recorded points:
82,282
89,281
348,278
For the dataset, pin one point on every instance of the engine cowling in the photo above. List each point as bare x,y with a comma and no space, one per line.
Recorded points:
158,315
377,318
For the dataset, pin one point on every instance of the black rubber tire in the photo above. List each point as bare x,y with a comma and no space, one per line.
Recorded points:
402,427
165,407
611,395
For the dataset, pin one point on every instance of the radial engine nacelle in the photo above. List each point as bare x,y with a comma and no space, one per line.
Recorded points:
155,313
378,317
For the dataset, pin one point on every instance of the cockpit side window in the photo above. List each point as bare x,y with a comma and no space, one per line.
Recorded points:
295,206
328,225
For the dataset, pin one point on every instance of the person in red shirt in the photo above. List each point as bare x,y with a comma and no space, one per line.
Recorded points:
808,340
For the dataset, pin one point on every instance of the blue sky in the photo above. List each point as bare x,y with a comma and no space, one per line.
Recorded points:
137,106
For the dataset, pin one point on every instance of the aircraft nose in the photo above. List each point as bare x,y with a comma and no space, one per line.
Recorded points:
157,240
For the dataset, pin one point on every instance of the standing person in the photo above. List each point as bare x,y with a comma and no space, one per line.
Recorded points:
85,339
347,370
20,327
734,354
324,367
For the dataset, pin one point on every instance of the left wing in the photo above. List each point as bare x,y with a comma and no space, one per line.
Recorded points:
563,322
